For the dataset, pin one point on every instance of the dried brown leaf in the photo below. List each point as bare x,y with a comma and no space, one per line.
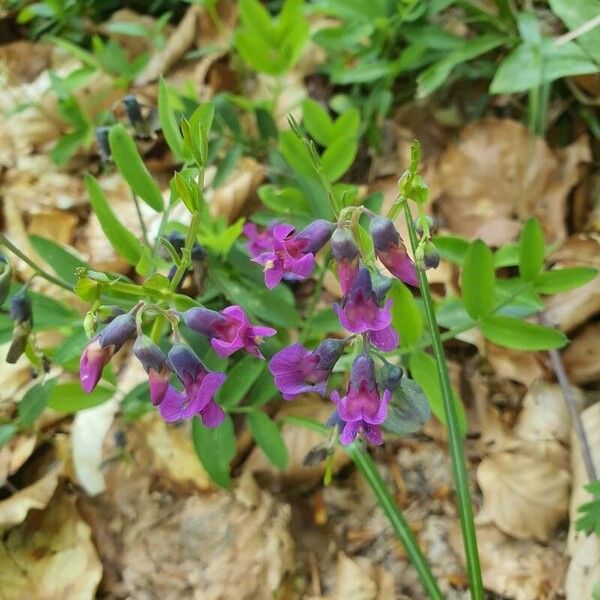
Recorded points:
582,356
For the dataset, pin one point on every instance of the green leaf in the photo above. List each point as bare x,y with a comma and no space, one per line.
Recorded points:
69,397
477,280
347,124
215,448
61,258
365,244
297,155
434,76
69,144
130,164
168,122
263,390
121,239
574,13
406,316
451,248
268,437
338,158
507,256
240,378
33,403
7,432
288,200
408,410
529,66
531,250
563,280
317,121
521,335
424,371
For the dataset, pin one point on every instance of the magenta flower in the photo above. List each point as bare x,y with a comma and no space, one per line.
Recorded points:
259,241
154,361
361,313
296,370
362,408
230,330
391,250
347,256
199,388
100,349
293,254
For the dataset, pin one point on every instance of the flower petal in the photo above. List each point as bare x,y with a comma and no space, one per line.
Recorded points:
212,415
385,339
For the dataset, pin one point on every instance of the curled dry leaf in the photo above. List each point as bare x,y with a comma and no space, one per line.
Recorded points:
570,309
525,480
582,356
497,175
50,555
299,442
15,508
14,454
361,580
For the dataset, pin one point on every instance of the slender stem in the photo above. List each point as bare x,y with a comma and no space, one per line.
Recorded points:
457,452
579,31
364,463
38,270
138,209
314,299
186,253
559,370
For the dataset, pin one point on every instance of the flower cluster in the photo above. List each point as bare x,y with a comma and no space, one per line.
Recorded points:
228,331
363,311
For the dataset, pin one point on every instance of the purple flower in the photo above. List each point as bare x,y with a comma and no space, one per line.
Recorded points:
100,349
347,256
362,408
199,388
391,251
154,361
259,241
361,313
291,253
297,370
230,330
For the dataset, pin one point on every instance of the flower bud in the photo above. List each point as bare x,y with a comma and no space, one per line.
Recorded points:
381,285
19,342
133,110
101,134
203,320
431,222
363,369
317,235
5,278
118,331
155,364
329,352
343,246
20,307
431,256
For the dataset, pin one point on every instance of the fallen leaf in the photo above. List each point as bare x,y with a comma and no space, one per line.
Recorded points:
14,509
58,226
14,454
50,555
361,581
582,355
524,367
23,60
497,175
583,573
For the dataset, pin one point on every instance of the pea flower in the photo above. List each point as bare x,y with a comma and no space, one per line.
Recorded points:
229,331
347,256
100,349
199,388
259,241
293,254
154,361
360,313
362,409
296,370
391,251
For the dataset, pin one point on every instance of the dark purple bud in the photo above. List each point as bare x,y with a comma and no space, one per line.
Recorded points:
363,370
390,376
384,233
18,342
133,110
419,228
149,354
20,307
5,278
381,285
317,235
431,256
118,331
101,134
343,246
198,253
329,352
177,240
203,320
184,361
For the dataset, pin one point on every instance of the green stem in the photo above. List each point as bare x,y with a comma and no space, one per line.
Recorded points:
38,270
364,463
186,253
457,452
138,209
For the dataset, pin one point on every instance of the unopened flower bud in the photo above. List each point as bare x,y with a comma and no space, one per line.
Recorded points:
317,235
343,246
5,278
390,376
328,353
384,233
133,110
154,361
431,222
431,256
101,134
20,307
